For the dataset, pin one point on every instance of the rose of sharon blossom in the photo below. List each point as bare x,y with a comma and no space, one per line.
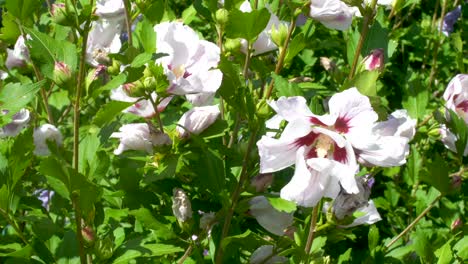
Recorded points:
268,217
110,8
181,206
450,19
19,55
18,122
190,61
142,107
264,255
197,120
42,134
375,60
456,97
104,39
333,14
139,137
325,148
264,43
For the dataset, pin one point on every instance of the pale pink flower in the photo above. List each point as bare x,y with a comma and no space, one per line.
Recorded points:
197,120
190,61
139,137
333,14
18,122
104,39
375,60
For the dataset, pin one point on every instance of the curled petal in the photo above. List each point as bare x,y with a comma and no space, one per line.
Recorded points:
197,120
268,217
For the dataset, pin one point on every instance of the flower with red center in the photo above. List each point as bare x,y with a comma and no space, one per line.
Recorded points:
325,148
456,97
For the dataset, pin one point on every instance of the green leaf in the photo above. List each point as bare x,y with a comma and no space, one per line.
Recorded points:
109,111
413,166
146,35
365,82
284,87
112,84
461,247
163,231
416,99
458,126
148,250
297,44
155,11
210,169
166,169
373,237
445,253
229,239
345,257
282,205
141,60
318,244
4,197
15,96
437,174
22,9
247,25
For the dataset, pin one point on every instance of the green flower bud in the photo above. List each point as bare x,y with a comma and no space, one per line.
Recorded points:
222,17
104,248
114,69
134,89
232,45
434,132
279,35
62,74
61,15
263,109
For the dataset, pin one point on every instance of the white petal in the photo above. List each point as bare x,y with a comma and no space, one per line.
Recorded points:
332,13
371,215
386,151
197,120
264,255
268,217
19,121
291,108
41,135
398,124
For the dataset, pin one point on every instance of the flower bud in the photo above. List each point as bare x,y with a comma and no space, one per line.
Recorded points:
221,17
327,64
456,224
456,182
60,14
114,69
134,89
206,220
263,110
197,120
232,45
375,60
279,35
88,236
62,74
104,248
181,206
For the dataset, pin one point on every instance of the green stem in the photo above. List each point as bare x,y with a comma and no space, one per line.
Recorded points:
158,116
128,21
235,197
76,206
186,254
410,226
282,56
313,225
365,29
436,48
14,225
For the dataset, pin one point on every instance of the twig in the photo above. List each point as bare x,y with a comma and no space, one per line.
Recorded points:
76,206
235,196
282,56
313,224
408,228
436,48
186,254
368,18
128,20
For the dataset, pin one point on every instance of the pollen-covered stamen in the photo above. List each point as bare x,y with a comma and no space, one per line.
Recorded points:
179,71
323,146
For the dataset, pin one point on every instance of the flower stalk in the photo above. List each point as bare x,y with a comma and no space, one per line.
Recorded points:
313,225
128,21
368,19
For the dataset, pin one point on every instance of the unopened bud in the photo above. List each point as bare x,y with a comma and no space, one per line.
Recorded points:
181,206
434,132
263,110
88,236
279,35
232,45
134,89
62,74
456,224
104,248
222,17
375,60
114,69
456,182
60,15
150,83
